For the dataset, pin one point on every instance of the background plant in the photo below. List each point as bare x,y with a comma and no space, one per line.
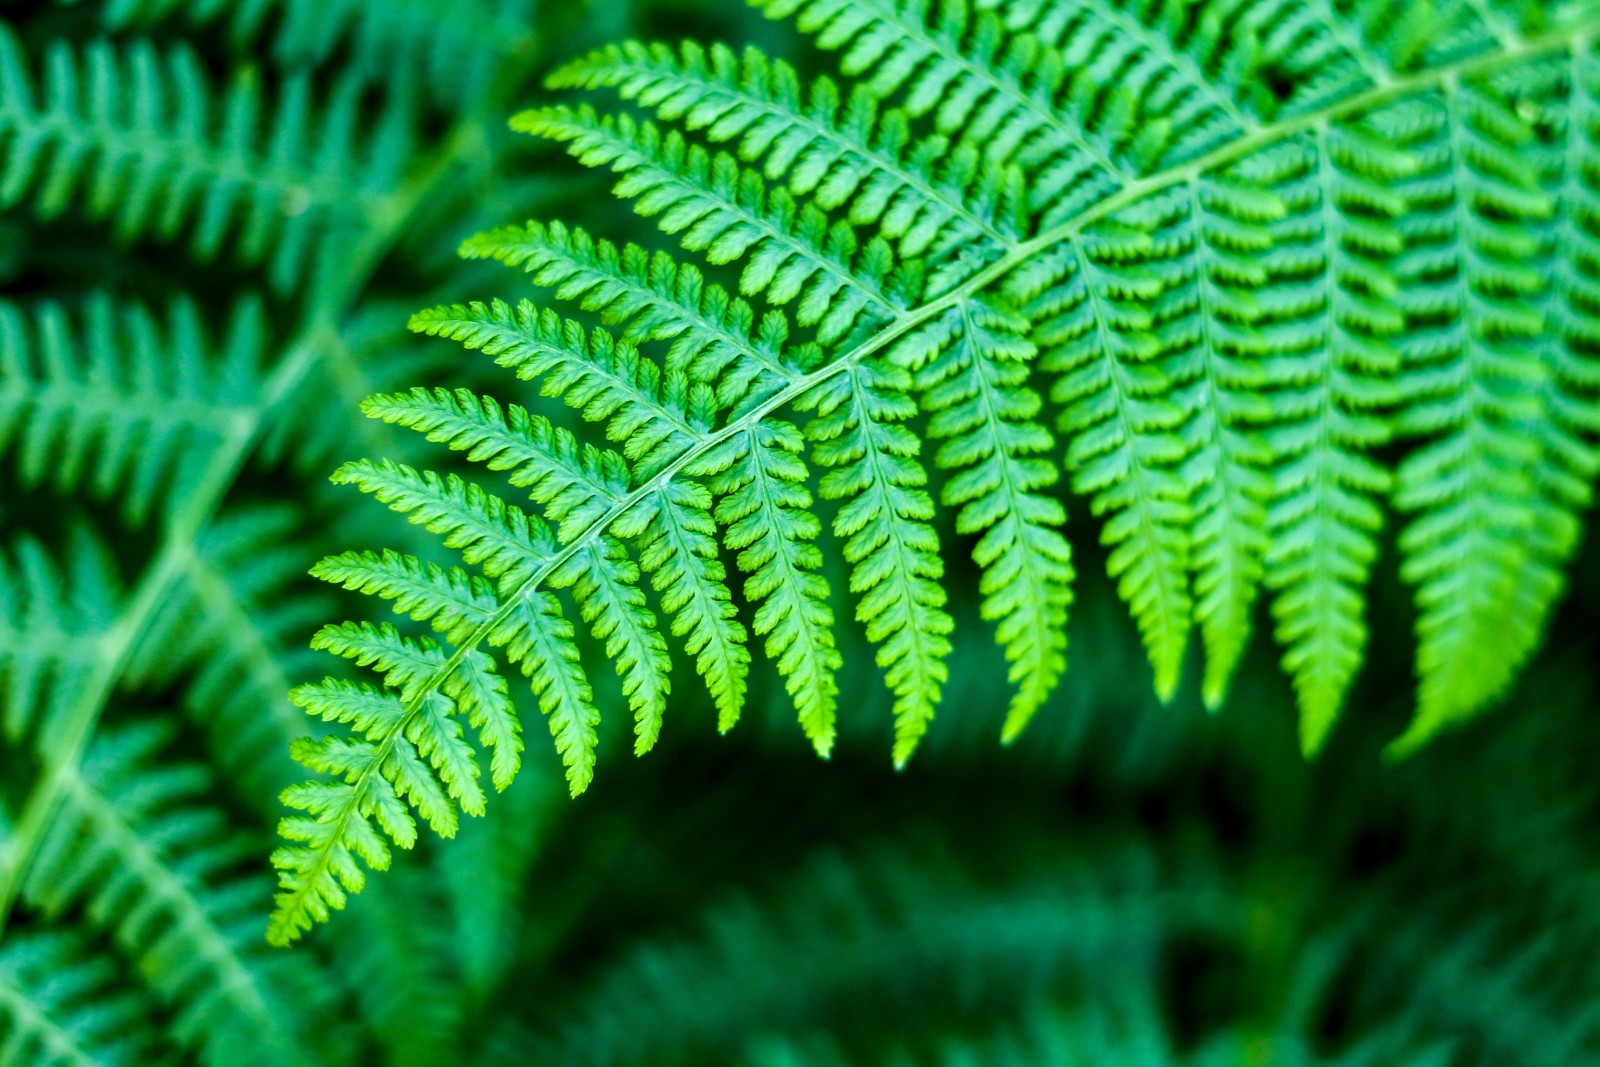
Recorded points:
190,322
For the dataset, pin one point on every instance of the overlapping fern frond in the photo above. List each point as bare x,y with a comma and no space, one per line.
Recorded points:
452,46
1242,250
146,401
140,136
140,849
62,1006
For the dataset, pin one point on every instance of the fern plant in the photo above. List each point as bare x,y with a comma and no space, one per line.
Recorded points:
1238,274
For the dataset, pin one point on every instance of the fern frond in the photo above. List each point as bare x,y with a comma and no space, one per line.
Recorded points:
56,616
109,398
1095,330
654,417
1220,354
765,508
959,68
139,136
136,847
452,46
1335,282
1221,229
1471,380
62,1006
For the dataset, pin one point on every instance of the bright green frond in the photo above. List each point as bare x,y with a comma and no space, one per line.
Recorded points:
1219,362
1261,251
652,415
931,196
605,583
499,537
1469,276
1331,311
714,336
1096,331
678,549
959,68
575,484
858,433
765,509
974,387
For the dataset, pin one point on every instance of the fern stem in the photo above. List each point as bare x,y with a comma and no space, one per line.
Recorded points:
905,322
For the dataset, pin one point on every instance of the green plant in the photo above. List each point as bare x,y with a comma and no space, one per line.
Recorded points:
217,216
1244,249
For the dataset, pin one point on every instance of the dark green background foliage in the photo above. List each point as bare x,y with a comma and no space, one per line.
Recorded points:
218,218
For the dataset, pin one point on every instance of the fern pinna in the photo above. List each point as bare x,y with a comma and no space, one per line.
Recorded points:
1244,271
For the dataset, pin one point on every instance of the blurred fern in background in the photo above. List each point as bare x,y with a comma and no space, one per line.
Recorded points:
218,217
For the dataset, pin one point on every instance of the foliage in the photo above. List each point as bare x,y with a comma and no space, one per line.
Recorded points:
1287,304
1270,273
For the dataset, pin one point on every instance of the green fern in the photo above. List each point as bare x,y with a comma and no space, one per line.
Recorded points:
63,1007
138,850
144,401
454,46
1243,249
140,137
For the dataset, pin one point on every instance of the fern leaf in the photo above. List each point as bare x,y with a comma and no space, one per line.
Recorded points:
982,410
654,418
605,581
1223,351
575,484
1124,428
651,297
893,551
1335,266
114,401
765,509
1223,229
929,196
959,69
679,552
436,735
132,844
726,212
1471,377
64,1007
499,537
539,639
1181,88
139,136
